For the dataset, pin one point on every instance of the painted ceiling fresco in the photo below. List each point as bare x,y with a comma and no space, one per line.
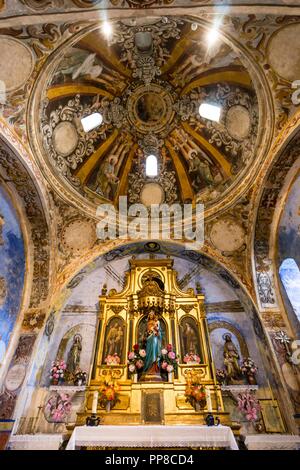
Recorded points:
29,6
147,81
12,269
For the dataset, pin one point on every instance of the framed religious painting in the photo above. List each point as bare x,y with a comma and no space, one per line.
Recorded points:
190,338
271,416
114,342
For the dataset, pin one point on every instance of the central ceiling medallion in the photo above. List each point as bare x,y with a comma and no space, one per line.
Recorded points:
147,82
150,108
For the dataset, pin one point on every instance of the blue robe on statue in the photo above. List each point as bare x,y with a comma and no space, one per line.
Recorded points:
153,349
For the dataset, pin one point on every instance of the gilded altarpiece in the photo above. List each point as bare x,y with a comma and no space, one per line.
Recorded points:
151,289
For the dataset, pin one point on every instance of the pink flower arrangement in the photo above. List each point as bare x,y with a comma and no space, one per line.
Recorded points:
139,364
112,359
57,371
168,359
249,406
135,359
191,358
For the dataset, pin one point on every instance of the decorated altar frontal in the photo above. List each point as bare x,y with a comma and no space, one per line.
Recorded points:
143,437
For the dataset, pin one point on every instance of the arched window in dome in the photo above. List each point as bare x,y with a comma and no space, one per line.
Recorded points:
290,278
151,166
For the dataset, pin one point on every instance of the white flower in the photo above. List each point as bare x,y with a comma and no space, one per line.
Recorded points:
142,352
164,352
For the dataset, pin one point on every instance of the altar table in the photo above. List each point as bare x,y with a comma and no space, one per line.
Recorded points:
272,442
152,436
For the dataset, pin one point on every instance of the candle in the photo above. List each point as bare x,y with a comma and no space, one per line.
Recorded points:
95,403
208,399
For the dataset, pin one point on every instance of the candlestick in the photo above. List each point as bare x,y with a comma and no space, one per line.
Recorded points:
208,399
95,403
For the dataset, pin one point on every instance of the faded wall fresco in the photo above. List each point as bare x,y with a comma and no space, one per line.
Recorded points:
12,270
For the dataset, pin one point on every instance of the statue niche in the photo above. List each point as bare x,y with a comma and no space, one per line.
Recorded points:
189,337
152,338
73,359
231,359
114,339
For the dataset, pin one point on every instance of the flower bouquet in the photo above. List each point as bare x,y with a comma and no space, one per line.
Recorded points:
195,395
80,377
221,376
168,359
112,360
136,359
191,359
108,395
248,405
57,372
249,369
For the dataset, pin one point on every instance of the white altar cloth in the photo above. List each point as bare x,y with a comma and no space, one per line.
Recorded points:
152,436
35,441
272,442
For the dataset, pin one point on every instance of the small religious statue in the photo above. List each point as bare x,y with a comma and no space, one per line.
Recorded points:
114,341
231,359
74,355
153,344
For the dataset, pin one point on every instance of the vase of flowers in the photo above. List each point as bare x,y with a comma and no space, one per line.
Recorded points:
80,378
108,396
249,369
112,360
191,358
221,376
136,361
195,392
57,372
168,361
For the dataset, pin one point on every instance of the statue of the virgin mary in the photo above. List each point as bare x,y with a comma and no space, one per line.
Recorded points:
153,343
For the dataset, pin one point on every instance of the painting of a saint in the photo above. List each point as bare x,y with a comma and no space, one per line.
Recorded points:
106,181
114,338
190,343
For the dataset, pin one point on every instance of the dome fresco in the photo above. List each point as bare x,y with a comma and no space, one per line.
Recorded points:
147,81
186,295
